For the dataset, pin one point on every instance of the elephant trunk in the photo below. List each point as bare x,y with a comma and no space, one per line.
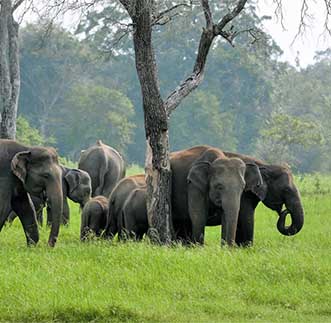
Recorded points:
55,202
84,228
295,209
230,207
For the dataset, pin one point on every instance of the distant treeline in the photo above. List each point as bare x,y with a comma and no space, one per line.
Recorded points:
77,91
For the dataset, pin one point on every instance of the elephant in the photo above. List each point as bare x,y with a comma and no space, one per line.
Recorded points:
127,209
28,170
206,191
76,185
105,167
94,217
280,191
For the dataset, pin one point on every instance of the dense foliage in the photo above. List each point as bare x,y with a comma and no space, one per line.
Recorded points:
79,91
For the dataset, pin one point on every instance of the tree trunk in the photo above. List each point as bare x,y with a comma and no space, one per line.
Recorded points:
156,126
157,111
9,71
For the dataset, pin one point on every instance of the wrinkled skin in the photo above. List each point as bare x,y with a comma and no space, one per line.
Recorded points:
105,167
280,191
31,170
94,217
127,209
206,190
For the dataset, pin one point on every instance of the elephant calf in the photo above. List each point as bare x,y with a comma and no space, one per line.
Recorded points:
94,217
127,209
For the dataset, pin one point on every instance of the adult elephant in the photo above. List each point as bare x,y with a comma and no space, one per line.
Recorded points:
280,191
76,185
127,209
206,190
105,167
31,170
94,217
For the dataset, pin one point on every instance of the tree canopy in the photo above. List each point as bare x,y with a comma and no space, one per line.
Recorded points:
246,99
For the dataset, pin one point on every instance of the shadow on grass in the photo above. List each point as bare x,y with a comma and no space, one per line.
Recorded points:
111,314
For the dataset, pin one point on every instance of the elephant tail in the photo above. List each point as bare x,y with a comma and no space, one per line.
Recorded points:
122,164
102,174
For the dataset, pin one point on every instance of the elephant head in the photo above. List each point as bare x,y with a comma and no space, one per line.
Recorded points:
78,186
282,191
39,171
221,183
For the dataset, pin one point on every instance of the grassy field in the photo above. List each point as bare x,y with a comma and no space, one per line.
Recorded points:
280,279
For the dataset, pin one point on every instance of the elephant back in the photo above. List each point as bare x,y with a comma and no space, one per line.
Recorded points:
105,166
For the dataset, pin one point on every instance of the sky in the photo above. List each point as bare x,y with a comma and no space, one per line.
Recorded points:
304,46
314,38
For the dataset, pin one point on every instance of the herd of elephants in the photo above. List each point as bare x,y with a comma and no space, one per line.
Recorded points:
209,187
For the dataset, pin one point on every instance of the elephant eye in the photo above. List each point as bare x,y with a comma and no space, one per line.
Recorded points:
45,175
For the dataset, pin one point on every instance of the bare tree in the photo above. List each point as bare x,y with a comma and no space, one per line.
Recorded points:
9,68
145,14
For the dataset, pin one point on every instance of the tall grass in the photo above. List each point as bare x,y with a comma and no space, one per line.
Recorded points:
279,279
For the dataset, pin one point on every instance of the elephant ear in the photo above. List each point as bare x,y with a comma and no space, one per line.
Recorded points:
198,175
254,181
73,179
19,164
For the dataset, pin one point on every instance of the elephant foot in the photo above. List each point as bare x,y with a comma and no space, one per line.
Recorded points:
32,234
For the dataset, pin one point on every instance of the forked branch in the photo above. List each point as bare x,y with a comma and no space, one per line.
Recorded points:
208,34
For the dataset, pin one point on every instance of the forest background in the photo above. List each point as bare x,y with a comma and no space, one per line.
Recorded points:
82,86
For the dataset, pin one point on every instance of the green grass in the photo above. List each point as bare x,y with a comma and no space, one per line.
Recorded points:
280,279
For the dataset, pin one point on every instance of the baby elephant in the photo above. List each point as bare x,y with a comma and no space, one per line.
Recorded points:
94,217
127,209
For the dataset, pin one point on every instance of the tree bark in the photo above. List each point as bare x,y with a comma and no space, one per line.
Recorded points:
156,126
9,70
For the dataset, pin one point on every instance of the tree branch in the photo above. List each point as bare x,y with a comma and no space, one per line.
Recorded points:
208,14
17,4
206,39
229,17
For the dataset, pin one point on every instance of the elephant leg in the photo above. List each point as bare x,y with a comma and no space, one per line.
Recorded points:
66,212
24,208
40,218
3,217
198,212
245,227
5,207
49,215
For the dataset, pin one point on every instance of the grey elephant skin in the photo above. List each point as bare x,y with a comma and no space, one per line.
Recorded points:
105,167
206,191
76,185
280,191
31,170
127,209
94,217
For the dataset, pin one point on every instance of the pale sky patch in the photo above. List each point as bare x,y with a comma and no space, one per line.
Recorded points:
315,37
